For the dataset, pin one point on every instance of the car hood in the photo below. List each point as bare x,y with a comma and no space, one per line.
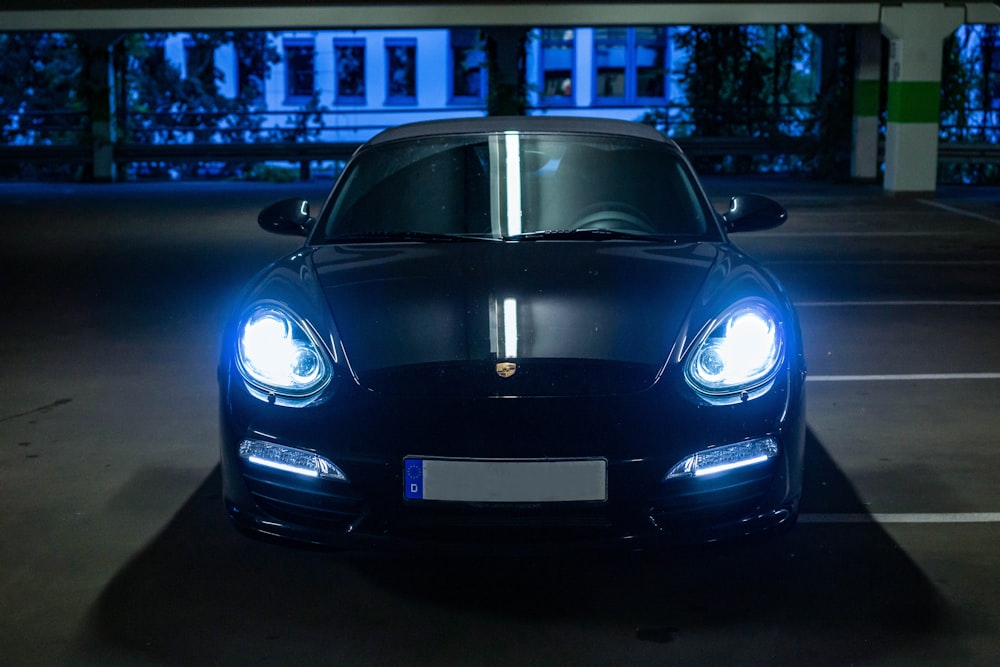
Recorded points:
543,318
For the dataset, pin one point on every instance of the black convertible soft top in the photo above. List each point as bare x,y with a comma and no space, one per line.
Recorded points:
548,124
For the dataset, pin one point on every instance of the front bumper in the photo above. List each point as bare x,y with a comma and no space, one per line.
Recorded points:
288,511
641,436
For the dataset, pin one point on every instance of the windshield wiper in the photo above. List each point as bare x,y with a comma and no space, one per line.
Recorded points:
584,234
390,236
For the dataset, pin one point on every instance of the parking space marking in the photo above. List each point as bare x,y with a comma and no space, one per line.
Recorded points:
883,262
795,234
882,517
903,377
880,304
958,211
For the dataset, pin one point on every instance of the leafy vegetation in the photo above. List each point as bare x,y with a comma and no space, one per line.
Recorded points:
970,98
762,83
160,104
42,96
759,83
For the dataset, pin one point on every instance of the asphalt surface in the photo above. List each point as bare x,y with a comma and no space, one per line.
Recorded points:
114,549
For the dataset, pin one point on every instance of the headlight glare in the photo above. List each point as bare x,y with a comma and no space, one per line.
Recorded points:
276,353
742,351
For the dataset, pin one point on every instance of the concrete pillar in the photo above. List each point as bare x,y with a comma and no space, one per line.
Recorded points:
867,82
916,34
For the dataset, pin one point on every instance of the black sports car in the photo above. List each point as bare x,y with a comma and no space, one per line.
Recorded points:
518,331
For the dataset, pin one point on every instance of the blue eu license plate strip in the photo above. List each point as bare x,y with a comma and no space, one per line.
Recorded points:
413,478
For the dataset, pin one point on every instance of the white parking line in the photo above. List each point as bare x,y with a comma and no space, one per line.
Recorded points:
887,304
793,234
903,377
883,262
952,209
880,517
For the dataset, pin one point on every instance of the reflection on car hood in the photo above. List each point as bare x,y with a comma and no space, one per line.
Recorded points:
576,318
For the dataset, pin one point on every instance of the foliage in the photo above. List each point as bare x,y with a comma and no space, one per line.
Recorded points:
969,97
41,96
507,77
753,82
304,125
42,74
744,81
724,78
835,105
961,83
162,105
269,174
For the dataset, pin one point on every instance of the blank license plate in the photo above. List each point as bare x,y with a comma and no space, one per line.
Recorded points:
506,480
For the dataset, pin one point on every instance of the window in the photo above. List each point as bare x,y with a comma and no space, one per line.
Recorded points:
516,183
468,67
300,73
349,61
401,77
557,66
650,63
439,185
610,57
630,65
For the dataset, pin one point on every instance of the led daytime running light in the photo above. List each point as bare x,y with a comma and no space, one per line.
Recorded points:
289,459
724,459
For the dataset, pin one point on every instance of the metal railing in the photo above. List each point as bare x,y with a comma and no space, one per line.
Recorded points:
69,144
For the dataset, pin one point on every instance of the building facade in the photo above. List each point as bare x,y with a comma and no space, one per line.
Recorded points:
359,82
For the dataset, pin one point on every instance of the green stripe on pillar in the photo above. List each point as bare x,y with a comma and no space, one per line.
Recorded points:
866,98
914,101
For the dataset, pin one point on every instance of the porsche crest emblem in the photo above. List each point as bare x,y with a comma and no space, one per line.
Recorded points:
506,368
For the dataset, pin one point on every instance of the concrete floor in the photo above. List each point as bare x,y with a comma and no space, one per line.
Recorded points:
115,550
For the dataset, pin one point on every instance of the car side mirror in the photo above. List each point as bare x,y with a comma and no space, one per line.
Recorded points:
751,212
288,216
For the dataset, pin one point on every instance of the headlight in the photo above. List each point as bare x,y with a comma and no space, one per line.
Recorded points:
742,351
276,353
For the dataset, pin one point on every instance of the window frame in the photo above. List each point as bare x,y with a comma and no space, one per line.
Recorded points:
393,43
632,44
467,100
350,43
545,42
293,96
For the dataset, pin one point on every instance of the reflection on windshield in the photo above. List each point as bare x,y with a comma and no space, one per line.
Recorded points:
509,185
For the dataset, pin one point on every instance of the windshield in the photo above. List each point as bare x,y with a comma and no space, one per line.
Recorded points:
516,186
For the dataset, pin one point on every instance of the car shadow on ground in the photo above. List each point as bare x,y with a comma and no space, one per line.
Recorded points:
201,593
